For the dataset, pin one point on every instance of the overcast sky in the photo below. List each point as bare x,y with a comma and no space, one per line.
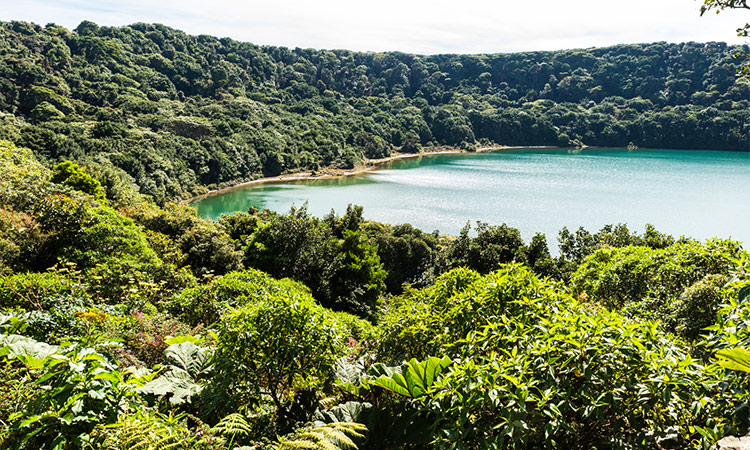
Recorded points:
414,26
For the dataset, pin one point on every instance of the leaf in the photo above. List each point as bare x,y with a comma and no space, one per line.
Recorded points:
112,377
176,382
233,424
734,359
345,412
332,436
415,378
189,357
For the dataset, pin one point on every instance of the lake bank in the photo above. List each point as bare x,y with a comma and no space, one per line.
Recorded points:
367,166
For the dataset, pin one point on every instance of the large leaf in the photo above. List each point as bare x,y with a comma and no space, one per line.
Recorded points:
191,358
345,412
31,353
176,382
415,378
734,359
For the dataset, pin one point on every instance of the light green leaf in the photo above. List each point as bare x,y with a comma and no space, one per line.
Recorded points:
734,359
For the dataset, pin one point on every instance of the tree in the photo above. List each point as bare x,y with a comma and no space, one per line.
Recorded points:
720,5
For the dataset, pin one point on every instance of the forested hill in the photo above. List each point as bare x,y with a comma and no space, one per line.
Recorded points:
181,113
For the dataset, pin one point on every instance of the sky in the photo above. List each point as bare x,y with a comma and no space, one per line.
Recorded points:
412,26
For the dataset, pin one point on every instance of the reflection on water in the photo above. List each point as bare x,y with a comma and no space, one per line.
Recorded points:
693,193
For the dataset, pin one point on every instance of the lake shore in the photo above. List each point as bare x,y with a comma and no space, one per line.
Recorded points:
367,166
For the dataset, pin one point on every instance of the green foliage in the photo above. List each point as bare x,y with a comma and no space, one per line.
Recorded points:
31,290
205,304
408,255
146,430
62,215
276,346
78,389
679,284
493,246
232,426
415,378
201,244
536,368
181,113
185,378
332,436
720,5
24,180
70,174
734,359
422,322
575,247
561,375
16,386
331,256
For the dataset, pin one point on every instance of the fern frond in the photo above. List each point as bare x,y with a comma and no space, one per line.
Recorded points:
332,436
232,425
147,431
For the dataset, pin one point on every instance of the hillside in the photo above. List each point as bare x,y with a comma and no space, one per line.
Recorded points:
176,114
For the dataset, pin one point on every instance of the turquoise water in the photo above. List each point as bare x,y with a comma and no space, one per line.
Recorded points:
692,193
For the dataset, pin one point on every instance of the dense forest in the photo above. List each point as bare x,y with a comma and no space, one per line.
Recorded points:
176,114
129,322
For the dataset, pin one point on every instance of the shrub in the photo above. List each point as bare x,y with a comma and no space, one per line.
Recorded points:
534,368
649,282
205,304
70,174
31,291
697,306
278,346
77,390
24,179
421,322
577,377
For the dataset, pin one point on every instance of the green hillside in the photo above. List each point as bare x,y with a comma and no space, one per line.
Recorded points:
179,113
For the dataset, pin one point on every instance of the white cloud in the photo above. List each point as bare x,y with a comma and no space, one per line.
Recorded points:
419,26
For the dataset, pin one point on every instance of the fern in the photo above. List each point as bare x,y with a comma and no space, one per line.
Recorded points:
232,426
147,431
332,436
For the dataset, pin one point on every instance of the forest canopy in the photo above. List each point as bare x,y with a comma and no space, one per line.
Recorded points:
176,114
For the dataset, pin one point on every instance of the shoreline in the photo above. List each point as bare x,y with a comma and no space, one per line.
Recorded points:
369,165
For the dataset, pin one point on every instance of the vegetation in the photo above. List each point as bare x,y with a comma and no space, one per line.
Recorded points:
127,321
127,324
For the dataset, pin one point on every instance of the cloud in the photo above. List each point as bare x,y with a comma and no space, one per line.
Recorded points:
418,26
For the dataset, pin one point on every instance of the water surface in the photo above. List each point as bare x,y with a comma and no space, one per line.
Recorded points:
693,193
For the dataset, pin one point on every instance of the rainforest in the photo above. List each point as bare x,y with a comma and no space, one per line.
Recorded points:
128,321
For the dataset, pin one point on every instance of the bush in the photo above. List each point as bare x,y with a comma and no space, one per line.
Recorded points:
558,372
31,291
70,174
649,283
534,368
205,304
278,346
697,306
24,179
422,322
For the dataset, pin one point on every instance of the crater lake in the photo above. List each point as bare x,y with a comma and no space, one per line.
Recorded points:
700,194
